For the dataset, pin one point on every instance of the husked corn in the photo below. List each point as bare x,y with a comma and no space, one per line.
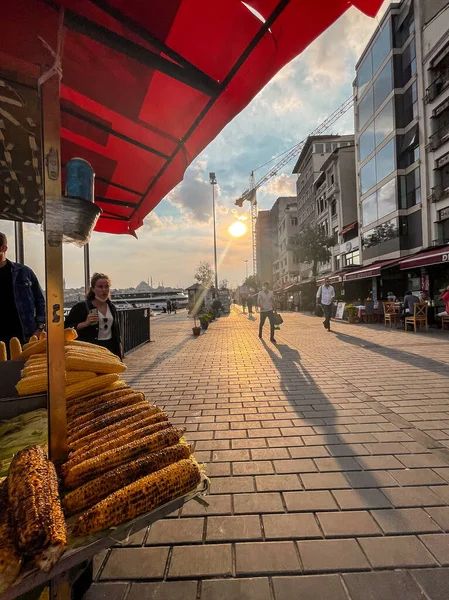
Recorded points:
144,495
15,348
43,335
87,346
3,355
36,348
89,469
85,387
96,424
104,445
80,407
72,377
97,365
92,492
34,384
70,334
105,407
33,339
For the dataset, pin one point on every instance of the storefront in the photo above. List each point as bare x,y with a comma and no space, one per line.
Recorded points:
427,271
376,281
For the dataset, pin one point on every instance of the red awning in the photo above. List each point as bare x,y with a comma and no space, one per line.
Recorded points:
334,278
431,257
147,84
373,270
349,227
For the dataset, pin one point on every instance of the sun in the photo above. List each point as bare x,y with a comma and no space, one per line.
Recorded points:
237,229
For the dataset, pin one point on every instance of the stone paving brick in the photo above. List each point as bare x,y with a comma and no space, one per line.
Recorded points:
309,501
417,477
175,531
300,465
348,450
230,455
337,464
362,498
309,587
372,463
260,558
387,448
438,546
441,516
347,524
256,467
405,520
371,479
236,589
218,469
442,491
269,453
136,563
231,485
408,497
246,443
321,556
324,481
285,442
396,552
309,452
277,483
382,586
320,440
108,591
291,526
258,503
163,590
228,529
444,473
218,505
134,540
394,436
414,461
434,582
200,561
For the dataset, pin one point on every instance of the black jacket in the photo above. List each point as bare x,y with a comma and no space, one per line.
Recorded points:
79,313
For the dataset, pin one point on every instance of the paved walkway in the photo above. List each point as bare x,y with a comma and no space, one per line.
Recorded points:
329,461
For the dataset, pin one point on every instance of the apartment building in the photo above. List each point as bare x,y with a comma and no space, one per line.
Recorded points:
264,246
287,228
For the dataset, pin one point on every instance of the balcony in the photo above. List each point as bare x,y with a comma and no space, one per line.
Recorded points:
332,189
440,191
438,85
440,137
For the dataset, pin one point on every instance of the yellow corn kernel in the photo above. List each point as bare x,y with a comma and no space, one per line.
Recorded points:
73,377
35,384
36,348
86,346
15,348
97,365
91,385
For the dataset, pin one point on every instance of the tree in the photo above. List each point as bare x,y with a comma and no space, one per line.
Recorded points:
311,245
204,273
253,282
224,284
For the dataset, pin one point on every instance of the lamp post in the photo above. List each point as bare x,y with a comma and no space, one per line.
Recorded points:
213,182
246,263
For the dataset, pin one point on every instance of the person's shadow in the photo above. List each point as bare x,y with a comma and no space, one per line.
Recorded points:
251,317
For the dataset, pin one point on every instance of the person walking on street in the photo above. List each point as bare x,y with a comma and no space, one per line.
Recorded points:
250,305
265,302
325,296
22,303
174,306
169,307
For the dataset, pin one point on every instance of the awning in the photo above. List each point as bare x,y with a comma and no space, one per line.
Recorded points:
334,278
431,257
349,227
147,84
373,270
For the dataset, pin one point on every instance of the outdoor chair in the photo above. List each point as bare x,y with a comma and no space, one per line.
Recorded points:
444,321
419,316
391,313
369,312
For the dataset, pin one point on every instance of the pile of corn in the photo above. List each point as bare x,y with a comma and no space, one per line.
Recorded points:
88,368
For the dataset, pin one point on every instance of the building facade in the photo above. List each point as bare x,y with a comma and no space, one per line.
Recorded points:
264,246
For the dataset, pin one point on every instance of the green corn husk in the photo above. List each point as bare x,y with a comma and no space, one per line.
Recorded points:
28,429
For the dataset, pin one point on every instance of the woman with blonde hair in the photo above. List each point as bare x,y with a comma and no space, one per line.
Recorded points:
96,319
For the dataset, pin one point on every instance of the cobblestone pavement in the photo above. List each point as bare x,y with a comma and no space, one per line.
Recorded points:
329,461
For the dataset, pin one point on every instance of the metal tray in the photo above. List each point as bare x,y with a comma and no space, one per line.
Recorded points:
11,404
82,549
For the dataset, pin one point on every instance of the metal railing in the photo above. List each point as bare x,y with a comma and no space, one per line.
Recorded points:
439,84
440,191
439,137
134,327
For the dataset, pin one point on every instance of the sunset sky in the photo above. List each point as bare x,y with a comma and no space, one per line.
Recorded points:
178,233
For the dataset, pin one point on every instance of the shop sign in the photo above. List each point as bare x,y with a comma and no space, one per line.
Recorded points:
340,310
363,274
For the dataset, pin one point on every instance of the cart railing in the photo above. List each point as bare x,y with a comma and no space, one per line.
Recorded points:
135,327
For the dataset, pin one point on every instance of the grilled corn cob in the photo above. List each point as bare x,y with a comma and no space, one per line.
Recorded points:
104,430
117,415
10,560
15,348
103,444
3,355
98,365
142,496
85,387
3,500
92,492
93,467
107,407
79,400
80,407
35,507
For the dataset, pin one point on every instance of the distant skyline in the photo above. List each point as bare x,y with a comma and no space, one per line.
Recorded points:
178,234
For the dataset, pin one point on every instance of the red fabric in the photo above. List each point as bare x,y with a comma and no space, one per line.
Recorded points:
372,270
445,298
431,257
140,104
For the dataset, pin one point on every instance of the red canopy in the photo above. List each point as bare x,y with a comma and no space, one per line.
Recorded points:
373,270
425,259
147,84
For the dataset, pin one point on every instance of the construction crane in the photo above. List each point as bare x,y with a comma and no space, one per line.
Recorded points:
250,194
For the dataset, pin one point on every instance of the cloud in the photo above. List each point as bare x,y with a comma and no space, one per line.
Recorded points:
280,185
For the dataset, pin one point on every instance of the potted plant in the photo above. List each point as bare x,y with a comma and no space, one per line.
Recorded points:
351,311
195,329
204,320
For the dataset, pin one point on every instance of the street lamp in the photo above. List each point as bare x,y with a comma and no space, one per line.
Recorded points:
213,182
246,263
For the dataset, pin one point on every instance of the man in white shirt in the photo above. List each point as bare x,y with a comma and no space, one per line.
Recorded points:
325,296
265,302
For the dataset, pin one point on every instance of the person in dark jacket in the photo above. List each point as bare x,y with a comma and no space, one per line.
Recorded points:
96,319
22,303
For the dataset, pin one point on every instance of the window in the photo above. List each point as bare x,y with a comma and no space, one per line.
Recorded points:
366,108
410,189
385,163
334,209
294,221
328,147
408,148
364,75
318,148
352,258
381,47
332,179
384,123
366,143
407,106
369,210
386,199
381,234
383,85
368,175
408,63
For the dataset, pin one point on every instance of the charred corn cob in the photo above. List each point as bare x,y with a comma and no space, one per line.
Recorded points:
103,444
35,507
10,560
3,500
142,496
117,385
106,407
97,365
117,415
92,492
89,469
84,387
80,407
109,429
15,348
3,355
